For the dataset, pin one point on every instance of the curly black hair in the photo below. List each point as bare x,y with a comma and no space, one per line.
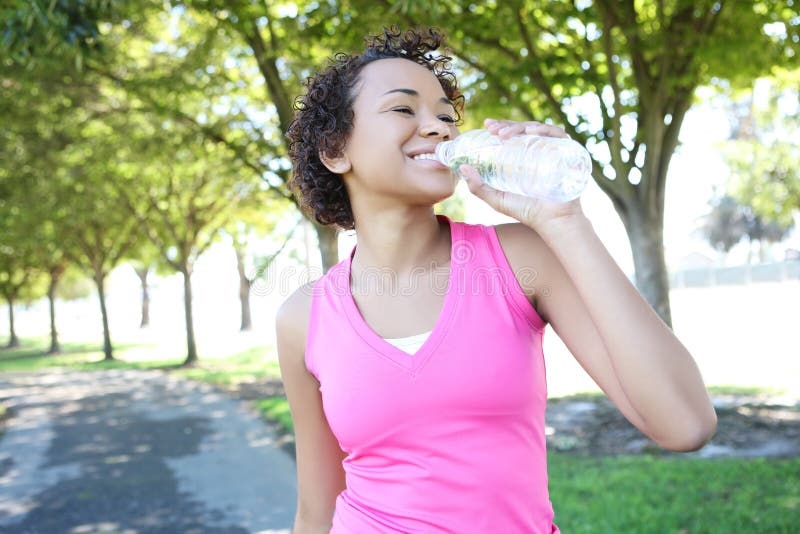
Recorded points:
323,119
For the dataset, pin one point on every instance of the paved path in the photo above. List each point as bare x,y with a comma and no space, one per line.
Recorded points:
137,452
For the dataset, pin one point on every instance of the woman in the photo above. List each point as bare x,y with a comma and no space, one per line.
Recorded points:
413,368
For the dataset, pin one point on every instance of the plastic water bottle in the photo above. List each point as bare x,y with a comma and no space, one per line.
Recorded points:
554,168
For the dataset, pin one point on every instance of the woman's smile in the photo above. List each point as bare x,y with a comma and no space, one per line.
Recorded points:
427,157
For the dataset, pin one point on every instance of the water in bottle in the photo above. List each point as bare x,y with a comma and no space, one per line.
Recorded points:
554,168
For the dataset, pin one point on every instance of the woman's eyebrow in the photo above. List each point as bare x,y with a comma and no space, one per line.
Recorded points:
412,92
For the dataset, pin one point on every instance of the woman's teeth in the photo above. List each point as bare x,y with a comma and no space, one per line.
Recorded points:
426,156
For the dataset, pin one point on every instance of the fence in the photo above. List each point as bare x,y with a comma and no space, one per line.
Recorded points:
739,275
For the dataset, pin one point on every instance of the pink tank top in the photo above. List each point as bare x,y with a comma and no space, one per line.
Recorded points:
451,438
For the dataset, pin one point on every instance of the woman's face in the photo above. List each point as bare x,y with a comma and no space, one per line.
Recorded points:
401,114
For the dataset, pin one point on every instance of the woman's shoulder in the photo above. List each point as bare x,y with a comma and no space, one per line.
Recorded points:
515,232
521,245
293,315
526,252
510,234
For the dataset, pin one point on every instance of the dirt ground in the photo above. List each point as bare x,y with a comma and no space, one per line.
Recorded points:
748,426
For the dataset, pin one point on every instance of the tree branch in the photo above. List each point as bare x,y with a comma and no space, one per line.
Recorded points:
269,70
209,132
268,261
615,143
629,28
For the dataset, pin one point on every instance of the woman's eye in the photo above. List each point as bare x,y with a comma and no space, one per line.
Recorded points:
447,118
404,110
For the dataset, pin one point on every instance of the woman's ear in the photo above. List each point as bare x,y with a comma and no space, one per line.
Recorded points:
339,164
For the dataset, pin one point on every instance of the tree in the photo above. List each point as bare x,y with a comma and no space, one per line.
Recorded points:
761,231
619,76
256,219
181,189
52,260
180,197
247,58
15,274
241,58
762,154
277,44
729,222
32,239
724,226
148,258
102,233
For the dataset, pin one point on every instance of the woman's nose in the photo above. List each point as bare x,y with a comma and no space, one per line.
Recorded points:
434,127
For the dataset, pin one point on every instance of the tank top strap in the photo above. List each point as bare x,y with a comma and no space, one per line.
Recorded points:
326,300
482,255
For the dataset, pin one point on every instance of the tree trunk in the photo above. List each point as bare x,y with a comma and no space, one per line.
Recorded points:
244,290
142,274
328,237
645,232
191,347
55,347
100,279
13,341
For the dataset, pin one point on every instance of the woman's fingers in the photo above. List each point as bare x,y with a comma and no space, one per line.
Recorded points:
508,128
537,128
504,128
476,185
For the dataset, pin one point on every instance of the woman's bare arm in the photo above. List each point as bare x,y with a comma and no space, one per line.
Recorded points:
320,476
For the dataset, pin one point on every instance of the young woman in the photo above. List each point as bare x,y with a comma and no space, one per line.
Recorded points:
414,367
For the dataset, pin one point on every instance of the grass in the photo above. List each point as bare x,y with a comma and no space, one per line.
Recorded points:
277,409
629,494
32,355
247,366
746,391
649,494
3,414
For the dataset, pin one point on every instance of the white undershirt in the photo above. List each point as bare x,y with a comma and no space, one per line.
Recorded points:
410,344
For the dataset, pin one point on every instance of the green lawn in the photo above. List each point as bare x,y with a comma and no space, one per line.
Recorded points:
247,365
3,414
625,494
653,494
31,355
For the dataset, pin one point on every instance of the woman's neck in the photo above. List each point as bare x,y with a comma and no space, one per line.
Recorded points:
401,241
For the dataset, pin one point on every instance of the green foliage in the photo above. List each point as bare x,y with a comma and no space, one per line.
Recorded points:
729,222
618,76
724,226
36,28
74,285
19,278
763,155
211,83
455,205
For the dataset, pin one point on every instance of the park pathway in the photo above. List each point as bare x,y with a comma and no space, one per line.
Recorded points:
137,452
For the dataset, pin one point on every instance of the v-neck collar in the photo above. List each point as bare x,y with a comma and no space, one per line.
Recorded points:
412,363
